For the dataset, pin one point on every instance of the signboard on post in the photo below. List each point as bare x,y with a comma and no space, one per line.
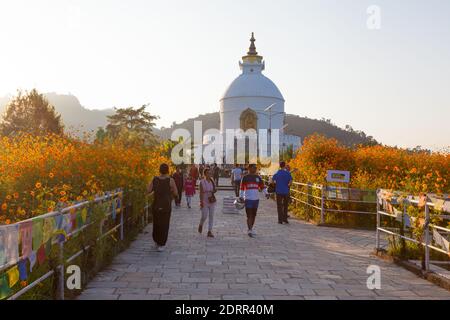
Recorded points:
338,176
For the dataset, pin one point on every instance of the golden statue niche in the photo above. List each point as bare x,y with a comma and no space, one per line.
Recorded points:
249,120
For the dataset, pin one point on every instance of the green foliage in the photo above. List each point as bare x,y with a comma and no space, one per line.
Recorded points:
30,112
132,126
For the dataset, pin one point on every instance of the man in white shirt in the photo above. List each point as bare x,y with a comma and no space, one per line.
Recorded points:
236,177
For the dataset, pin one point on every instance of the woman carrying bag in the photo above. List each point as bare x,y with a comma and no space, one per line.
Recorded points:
164,189
207,202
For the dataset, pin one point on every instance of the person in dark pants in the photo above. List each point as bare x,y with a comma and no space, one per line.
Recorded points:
216,174
164,188
236,177
283,180
179,182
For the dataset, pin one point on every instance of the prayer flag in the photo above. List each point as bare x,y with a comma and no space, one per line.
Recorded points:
37,233
84,215
441,241
331,192
32,259
119,204
48,247
73,221
26,236
2,246
23,275
398,214
48,229
5,291
407,220
355,194
446,206
113,210
12,243
13,276
41,255
80,222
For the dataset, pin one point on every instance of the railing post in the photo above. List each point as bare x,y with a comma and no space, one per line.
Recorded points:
402,230
122,213
377,245
60,294
427,237
322,205
146,213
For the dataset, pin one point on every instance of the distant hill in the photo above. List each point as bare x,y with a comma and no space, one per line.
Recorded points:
297,125
78,118
75,116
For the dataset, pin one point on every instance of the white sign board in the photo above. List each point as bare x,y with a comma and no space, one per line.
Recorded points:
338,176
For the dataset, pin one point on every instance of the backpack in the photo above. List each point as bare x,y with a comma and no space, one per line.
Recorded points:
162,197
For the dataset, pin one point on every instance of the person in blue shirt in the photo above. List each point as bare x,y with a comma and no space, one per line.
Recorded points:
283,180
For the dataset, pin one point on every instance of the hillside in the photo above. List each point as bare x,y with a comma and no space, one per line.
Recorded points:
77,118
297,125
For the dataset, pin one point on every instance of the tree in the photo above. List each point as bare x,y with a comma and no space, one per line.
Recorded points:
100,135
135,124
288,153
30,112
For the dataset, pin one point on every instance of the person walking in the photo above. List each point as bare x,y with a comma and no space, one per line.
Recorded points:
200,170
189,189
179,182
216,174
283,180
251,185
194,173
236,177
164,189
207,202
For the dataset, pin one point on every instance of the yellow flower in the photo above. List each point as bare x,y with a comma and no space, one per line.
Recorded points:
4,207
38,185
51,175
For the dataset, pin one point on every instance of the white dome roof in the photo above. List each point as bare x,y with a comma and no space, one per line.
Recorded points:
252,85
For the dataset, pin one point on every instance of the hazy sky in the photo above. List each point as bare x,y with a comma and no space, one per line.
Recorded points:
392,83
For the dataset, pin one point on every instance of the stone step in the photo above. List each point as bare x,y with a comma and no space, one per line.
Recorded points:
228,205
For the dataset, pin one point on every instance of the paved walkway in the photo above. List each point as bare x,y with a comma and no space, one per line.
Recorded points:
296,261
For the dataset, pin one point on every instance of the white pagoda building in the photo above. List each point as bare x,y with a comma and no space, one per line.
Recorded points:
253,101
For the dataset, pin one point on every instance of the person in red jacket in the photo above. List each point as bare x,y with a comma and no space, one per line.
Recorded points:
194,173
189,189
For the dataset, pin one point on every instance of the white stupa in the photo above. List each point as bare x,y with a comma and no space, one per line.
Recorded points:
253,101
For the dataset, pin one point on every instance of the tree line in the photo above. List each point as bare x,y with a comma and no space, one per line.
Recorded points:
29,112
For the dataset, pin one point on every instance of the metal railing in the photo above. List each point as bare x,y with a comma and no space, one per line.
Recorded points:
427,239
322,200
59,270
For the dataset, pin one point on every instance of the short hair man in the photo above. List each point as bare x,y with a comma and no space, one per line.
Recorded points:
251,185
283,180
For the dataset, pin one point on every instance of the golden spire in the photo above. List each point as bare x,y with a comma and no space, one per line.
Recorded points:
252,51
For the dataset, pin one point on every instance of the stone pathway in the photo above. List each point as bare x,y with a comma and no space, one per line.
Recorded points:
296,261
